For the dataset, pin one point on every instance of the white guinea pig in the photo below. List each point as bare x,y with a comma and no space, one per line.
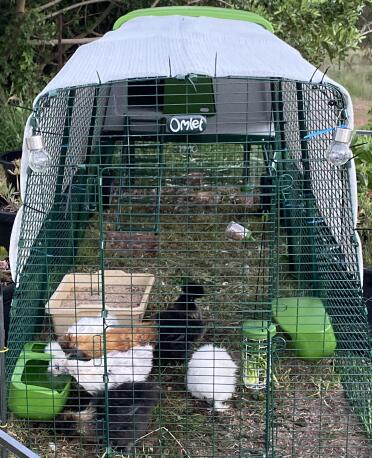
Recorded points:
211,375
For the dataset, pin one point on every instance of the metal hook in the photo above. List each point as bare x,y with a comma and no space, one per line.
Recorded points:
312,76
324,74
288,186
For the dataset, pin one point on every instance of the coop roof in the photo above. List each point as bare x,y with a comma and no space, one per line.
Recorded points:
163,46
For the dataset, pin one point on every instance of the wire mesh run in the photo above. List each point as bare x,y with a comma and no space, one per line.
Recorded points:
187,276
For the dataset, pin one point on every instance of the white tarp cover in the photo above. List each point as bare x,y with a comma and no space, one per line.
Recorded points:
175,46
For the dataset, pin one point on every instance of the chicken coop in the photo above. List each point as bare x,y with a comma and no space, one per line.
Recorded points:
189,148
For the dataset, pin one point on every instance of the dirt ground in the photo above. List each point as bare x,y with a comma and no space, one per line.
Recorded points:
361,108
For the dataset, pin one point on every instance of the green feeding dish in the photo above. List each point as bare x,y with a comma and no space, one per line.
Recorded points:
196,11
307,323
35,394
258,329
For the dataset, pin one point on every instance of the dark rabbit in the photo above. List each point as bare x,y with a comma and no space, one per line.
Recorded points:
179,326
129,407
129,411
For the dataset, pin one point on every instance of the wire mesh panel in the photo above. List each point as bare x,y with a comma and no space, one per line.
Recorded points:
179,272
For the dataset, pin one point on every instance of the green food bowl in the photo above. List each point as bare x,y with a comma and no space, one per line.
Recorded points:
34,393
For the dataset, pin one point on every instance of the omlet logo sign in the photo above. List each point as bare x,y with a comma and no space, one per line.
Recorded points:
186,124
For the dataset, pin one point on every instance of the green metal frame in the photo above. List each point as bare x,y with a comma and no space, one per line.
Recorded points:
320,265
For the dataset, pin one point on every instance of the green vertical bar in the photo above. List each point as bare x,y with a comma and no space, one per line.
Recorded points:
160,148
82,213
307,194
3,386
65,142
102,269
278,147
126,160
278,118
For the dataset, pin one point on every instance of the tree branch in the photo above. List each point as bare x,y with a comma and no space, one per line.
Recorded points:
366,27
20,6
65,41
47,5
77,5
100,19
226,3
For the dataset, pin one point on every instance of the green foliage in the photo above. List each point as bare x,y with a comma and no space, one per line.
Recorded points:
10,196
320,29
22,57
365,225
13,121
363,159
363,163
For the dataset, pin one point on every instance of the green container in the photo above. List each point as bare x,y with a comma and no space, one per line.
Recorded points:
257,337
35,394
306,322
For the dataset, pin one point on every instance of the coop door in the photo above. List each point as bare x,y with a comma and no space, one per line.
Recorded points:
166,219
131,205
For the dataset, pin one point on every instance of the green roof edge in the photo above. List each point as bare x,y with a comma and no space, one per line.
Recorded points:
196,11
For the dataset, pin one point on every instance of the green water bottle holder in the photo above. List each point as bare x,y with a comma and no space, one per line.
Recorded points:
260,347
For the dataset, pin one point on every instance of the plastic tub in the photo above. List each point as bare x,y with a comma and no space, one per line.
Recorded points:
80,295
34,393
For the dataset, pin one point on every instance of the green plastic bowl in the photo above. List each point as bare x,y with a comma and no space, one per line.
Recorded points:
34,394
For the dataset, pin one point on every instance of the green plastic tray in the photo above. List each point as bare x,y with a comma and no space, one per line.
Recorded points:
35,394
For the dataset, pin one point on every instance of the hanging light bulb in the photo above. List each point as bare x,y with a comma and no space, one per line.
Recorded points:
39,159
338,152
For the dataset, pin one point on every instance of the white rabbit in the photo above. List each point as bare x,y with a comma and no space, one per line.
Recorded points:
54,348
92,325
133,365
211,375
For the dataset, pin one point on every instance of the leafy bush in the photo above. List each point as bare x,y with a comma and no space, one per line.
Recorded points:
363,163
365,223
13,121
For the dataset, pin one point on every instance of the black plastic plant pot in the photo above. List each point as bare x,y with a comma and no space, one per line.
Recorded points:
8,291
6,159
367,292
6,226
